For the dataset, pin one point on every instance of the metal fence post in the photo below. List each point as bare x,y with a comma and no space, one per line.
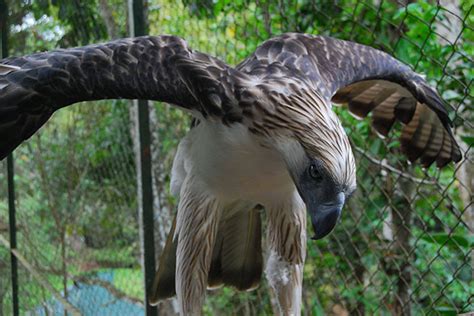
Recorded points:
138,27
10,174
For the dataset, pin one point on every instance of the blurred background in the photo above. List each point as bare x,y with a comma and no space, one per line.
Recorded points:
404,246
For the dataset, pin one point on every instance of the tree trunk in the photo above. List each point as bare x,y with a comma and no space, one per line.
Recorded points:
110,24
399,263
465,175
353,248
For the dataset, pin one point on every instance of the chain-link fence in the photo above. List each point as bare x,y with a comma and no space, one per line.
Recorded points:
404,245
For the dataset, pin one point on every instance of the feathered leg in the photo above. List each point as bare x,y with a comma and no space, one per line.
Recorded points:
196,229
287,253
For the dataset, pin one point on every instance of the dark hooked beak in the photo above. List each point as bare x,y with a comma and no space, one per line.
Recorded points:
325,216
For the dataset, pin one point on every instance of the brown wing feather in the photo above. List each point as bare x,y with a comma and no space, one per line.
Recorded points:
241,254
434,145
236,258
158,68
422,137
164,284
368,80
214,278
444,156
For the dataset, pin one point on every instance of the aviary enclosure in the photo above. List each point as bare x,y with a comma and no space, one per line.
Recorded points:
404,246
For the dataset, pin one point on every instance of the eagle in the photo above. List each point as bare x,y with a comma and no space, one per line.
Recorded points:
265,137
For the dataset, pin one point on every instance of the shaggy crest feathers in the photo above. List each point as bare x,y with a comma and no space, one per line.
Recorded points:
322,136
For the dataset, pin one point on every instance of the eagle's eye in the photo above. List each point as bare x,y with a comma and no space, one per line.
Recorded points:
315,173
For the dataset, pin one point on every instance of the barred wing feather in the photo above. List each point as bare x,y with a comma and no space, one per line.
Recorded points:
369,81
158,68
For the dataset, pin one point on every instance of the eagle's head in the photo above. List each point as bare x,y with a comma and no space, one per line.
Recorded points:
320,161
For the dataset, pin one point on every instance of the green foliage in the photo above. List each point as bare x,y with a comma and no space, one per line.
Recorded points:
129,281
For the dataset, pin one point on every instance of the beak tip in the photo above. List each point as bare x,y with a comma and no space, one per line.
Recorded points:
325,221
317,236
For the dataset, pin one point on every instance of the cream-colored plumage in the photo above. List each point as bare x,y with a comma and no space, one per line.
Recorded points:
265,137
225,170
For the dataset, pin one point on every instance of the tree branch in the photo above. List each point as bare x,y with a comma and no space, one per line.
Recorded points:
66,304
384,165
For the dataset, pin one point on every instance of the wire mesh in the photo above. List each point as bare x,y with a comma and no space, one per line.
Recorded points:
404,245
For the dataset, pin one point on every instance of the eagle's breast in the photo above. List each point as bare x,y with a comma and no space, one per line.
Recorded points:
232,163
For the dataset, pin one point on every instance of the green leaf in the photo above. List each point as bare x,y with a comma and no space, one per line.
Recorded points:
453,240
375,147
446,310
219,6
469,140
451,94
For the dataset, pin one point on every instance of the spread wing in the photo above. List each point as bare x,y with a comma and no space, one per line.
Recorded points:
158,68
369,81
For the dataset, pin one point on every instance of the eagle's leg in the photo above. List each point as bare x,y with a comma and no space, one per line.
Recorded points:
287,253
196,229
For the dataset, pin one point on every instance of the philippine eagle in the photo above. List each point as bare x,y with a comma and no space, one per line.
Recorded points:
265,137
